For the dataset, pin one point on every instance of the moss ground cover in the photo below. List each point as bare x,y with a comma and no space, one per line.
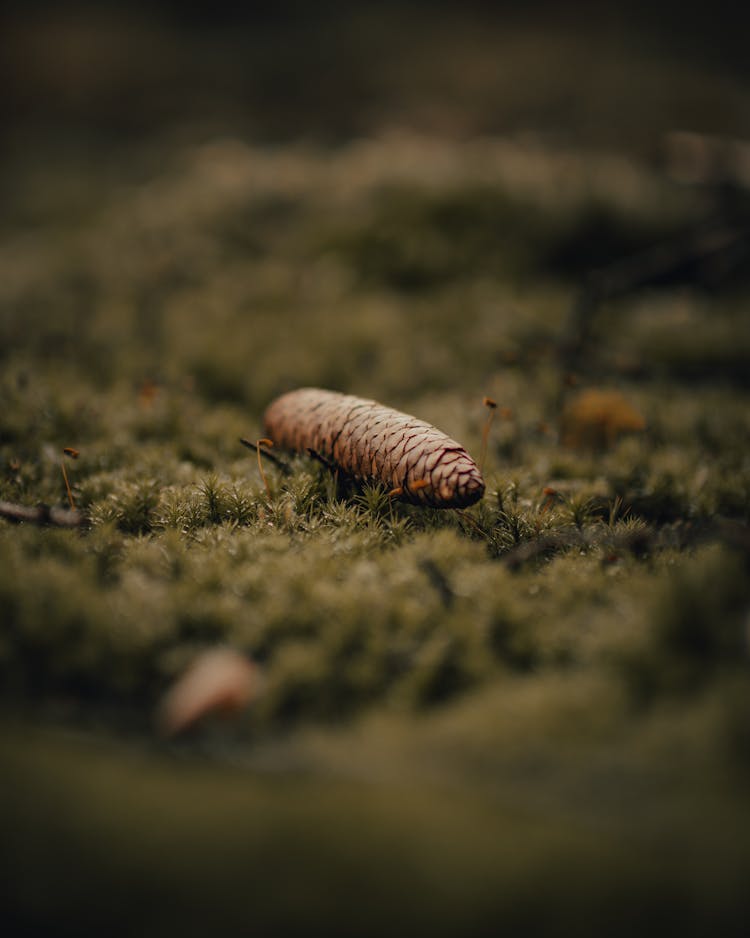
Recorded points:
531,712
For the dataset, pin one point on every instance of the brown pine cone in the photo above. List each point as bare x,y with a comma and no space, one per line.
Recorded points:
371,442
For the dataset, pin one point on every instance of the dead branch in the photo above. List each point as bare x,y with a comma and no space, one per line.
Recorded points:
271,457
42,515
314,454
704,254
540,548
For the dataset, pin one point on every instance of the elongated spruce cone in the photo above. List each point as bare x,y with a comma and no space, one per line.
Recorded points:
375,443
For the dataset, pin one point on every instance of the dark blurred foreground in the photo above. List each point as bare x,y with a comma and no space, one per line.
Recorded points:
100,837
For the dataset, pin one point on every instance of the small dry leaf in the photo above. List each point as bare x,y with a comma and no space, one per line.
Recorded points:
596,418
147,394
221,681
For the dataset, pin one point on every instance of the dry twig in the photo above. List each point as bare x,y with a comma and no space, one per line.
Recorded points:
43,515
271,457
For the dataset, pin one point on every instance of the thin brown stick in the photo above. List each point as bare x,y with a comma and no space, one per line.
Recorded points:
491,407
271,457
260,443
42,515
439,581
540,547
472,522
714,247
71,500
314,454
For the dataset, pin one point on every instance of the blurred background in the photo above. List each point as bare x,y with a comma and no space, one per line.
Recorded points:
390,148
600,74
603,73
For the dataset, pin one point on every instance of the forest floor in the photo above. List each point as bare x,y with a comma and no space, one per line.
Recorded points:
534,712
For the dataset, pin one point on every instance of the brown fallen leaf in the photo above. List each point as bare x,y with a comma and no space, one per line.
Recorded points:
596,418
221,681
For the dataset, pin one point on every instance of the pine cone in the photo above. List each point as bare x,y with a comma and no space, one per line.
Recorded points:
371,442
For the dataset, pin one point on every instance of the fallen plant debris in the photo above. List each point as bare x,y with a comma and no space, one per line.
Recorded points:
259,448
219,682
371,442
596,418
73,454
43,515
